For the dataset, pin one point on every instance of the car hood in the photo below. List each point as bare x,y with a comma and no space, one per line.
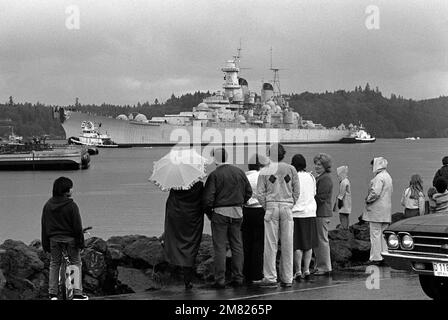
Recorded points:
433,223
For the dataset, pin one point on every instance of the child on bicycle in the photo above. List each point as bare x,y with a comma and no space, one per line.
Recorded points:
62,228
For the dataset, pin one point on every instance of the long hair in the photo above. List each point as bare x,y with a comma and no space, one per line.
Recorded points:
416,186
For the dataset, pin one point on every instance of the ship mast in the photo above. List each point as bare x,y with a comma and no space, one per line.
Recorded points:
276,81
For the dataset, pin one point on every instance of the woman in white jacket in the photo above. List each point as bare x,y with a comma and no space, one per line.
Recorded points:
304,214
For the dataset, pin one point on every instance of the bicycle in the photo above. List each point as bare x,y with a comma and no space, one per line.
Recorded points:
69,274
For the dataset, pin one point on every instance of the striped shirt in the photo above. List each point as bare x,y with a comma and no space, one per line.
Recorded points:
441,200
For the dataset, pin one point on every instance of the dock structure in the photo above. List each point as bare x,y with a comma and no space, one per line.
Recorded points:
37,157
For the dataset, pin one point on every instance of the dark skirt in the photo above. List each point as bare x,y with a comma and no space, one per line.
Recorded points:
305,233
184,222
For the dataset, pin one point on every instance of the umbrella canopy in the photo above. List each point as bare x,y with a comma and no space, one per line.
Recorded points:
180,169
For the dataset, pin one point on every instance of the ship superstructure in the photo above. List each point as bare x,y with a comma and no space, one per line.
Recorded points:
234,115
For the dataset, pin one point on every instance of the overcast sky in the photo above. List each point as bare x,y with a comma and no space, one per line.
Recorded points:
139,50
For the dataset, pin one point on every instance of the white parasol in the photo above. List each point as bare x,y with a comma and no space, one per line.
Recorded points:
180,169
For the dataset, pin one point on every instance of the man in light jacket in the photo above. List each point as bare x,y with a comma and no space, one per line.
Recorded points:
378,210
278,189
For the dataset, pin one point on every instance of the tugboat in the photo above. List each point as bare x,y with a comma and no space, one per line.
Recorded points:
359,135
92,137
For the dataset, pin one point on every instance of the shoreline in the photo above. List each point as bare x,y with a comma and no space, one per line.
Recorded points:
136,263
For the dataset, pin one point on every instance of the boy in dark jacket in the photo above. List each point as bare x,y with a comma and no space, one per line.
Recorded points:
442,172
62,228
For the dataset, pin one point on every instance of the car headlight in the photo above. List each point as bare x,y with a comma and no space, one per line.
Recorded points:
407,242
392,241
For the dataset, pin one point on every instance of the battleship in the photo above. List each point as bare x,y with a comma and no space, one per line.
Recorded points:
234,115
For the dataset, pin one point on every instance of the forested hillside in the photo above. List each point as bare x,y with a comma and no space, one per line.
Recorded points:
392,117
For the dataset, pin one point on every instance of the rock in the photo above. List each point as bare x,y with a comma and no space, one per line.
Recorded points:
340,234
123,241
145,252
137,280
2,280
360,250
361,231
19,260
36,244
90,284
340,252
94,263
205,251
116,255
96,244
205,269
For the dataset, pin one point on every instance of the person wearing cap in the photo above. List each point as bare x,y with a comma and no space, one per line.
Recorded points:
378,208
442,172
226,190
253,225
278,189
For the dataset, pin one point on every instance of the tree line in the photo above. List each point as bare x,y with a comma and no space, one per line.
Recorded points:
393,117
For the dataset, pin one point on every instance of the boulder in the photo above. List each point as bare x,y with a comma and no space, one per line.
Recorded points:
361,231
36,244
205,251
19,260
145,252
96,244
94,263
205,269
360,250
138,280
340,252
120,242
340,234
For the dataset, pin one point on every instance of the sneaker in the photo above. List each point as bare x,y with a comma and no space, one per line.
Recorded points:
256,282
298,276
268,284
80,297
306,276
54,297
286,285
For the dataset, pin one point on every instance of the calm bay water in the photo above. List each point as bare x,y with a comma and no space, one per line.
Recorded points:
115,197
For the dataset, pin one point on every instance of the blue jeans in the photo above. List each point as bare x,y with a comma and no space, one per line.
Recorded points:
227,229
55,264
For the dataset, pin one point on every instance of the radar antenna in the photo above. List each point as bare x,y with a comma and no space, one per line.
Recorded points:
276,83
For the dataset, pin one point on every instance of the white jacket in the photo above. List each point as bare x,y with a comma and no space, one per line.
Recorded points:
305,206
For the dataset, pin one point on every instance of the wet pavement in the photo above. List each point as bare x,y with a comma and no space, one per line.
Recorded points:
380,283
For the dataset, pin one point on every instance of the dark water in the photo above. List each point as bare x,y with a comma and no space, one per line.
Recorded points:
115,197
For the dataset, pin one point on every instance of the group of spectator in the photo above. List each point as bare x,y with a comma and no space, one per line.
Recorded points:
274,206
251,213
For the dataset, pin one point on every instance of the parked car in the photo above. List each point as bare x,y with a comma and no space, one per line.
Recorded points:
420,245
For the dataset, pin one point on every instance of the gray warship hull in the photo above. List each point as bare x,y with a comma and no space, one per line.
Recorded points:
131,133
